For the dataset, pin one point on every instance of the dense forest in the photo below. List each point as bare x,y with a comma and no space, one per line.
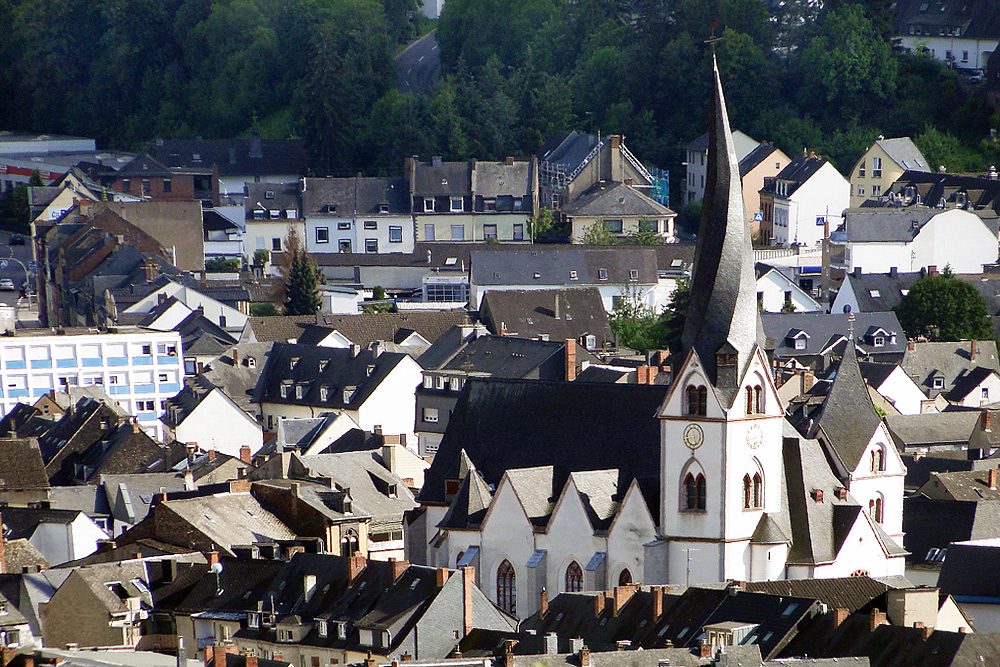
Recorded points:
515,73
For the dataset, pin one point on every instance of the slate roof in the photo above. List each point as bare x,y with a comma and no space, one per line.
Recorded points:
826,329
494,179
939,428
241,583
886,225
968,383
276,328
319,370
614,658
469,506
978,19
795,174
532,313
21,522
503,356
981,193
970,485
851,593
142,165
361,196
556,267
919,467
904,152
508,424
131,496
950,361
880,292
930,523
750,161
21,465
238,379
235,157
450,178
181,405
366,328
568,149
611,199
846,420
602,374
285,198
320,497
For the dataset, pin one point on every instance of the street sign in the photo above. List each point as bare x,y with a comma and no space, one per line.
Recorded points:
758,217
3,264
32,265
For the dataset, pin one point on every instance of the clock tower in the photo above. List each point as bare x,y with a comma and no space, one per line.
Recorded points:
721,423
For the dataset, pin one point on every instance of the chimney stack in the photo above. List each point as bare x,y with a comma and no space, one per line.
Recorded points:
245,454
987,420
642,375
877,619
622,595
657,603
839,616
993,478
543,602
468,581
354,568
398,568
213,558
972,350
442,576
236,357
211,455
598,604
704,649
585,656
570,359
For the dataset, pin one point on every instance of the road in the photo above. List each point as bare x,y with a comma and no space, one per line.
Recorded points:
12,269
418,67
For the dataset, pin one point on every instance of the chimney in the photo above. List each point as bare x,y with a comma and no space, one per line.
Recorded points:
135,425
972,350
203,279
236,357
911,345
642,374
857,272
877,619
468,581
213,558
398,568
551,643
928,631
839,616
893,271
932,270
354,568
509,161
657,603
150,267
189,481
808,379
370,661
704,649
993,478
543,602
251,661
211,455
442,576
584,656
987,420
389,458
622,595
570,359
245,454
508,651
599,604
818,495
842,493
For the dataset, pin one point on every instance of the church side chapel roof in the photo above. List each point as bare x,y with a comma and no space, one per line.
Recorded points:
723,308
846,419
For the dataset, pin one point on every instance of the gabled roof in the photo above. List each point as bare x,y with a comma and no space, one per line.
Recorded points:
938,428
569,149
21,465
276,328
282,198
851,593
923,361
547,266
934,189
562,314
327,377
357,196
795,174
240,583
366,328
975,19
142,165
886,225
904,152
505,356
449,178
237,378
931,523
968,485
611,199
968,383
21,522
235,157
501,425
880,292
368,479
743,143
470,504
750,161
822,328
493,179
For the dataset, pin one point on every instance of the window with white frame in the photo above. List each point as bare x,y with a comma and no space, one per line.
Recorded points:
430,415
457,204
428,204
371,224
322,235
395,234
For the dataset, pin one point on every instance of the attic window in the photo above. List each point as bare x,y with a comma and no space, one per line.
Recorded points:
323,393
251,362
293,362
284,389
800,343
633,274
383,208
602,274
349,393
322,364
874,293
676,263
369,369
537,275
451,261
322,628
938,383
573,275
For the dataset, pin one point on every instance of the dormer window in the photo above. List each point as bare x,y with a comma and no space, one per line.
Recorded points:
285,389
341,631
369,369
878,341
251,362
324,393
322,364
293,362
428,204
457,204
291,213
349,393
275,214
800,343
633,274
938,382
573,275
602,274
321,628
299,391
383,208
269,194
725,359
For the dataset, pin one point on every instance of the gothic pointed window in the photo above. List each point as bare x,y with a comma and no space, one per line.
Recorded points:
625,578
758,399
758,490
694,492
747,492
574,578
506,588
878,460
875,508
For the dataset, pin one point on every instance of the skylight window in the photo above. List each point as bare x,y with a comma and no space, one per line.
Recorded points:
874,293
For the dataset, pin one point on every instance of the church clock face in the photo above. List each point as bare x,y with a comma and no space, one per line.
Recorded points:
754,437
693,436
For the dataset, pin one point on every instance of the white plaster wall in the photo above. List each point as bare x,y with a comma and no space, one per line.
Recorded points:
880,257
506,534
340,425
864,485
768,561
357,234
569,537
845,297
826,194
976,399
939,46
901,390
60,542
393,404
958,238
774,287
473,224
214,310
218,423
950,617
861,550
632,528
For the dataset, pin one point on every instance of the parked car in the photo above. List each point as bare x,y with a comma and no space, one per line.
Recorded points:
7,285
16,239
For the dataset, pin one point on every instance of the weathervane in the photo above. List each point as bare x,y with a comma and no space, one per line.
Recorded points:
712,39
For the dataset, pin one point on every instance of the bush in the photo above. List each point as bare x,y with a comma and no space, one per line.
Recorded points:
219,265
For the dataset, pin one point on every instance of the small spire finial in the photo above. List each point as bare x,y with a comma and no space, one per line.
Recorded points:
712,39
850,325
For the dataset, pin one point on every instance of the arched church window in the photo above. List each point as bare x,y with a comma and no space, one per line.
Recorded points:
758,490
753,491
747,492
694,491
878,460
750,403
875,508
349,543
625,578
697,400
574,578
507,588
758,399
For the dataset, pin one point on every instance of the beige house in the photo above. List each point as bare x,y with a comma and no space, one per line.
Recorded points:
763,161
881,165
623,209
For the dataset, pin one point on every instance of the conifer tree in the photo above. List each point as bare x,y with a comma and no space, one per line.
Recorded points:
301,297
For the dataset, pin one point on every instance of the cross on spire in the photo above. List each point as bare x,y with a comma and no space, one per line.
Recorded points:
712,39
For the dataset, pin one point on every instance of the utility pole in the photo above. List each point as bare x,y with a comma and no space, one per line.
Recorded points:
687,577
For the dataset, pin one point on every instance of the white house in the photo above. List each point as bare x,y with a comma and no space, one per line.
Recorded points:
880,240
359,215
139,369
895,386
961,33
696,162
59,535
203,413
804,202
777,292
190,299
272,211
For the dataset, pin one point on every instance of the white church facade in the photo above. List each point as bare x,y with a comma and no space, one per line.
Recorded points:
566,488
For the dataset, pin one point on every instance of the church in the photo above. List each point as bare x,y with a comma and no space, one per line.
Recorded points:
552,487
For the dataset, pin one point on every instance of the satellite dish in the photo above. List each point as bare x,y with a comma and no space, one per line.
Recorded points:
216,568
847,307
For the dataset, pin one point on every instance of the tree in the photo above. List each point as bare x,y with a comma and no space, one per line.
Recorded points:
599,234
671,322
633,322
301,297
542,223
943,307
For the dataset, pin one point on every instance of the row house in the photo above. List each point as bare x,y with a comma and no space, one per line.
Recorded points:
272,211
357,215
803,203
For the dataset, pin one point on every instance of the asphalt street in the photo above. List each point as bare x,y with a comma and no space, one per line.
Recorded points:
10,268
418,67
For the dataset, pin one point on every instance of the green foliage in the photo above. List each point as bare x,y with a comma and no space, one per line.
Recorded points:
633,322
263,309
671,321
944,308
14,209
301,297
644,235
542,223
219,265
599,234
378,293
261,257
